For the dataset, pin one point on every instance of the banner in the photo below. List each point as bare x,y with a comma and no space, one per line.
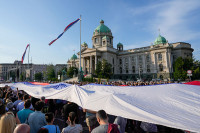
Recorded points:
172,105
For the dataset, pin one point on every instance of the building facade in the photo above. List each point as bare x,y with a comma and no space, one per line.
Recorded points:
151,62
12,71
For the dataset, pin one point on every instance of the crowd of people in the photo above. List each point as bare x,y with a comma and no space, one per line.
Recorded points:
21,113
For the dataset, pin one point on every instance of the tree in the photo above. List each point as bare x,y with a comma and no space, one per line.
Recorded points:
50,73
38,76
103,69
98,70
71,71
22,76
106,69
179,72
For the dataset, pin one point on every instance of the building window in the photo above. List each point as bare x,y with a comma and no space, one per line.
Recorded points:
148,68
113,61
140,69
104,42
120,61
96,40
120,70
110,41
133,69
160,57
140,59
133,59
160,67
148,58
126,69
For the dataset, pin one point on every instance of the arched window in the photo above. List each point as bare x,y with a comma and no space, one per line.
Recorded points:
96,40
160,57
120,61
160,67
133,69
126,69
120,70
148,68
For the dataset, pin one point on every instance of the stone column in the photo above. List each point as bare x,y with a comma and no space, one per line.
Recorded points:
167,61
95,62
144,64
129,67
90,64
83,65
155,60
136,64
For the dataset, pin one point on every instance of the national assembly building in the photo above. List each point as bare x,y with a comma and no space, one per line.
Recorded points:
150,62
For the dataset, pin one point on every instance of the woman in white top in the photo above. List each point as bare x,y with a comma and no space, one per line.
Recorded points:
72,127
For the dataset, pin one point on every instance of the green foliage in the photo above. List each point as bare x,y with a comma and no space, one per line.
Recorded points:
60,72
179,72
98,70
22,77
38,76
71,71
182,65
91,80
50,73
12,74
103,69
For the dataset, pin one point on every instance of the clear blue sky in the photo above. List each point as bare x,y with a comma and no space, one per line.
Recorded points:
134,23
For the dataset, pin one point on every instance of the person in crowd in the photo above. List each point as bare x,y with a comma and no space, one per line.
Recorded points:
43,130
34,100
51,128
90,119
20,106
69,107
36,120
2,108
7,123
23,114
103,122
51,107
10,108
148,127
121,122
72,127
22,128
104,126
20,98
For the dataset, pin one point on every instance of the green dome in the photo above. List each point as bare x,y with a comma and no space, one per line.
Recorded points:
102,28
74,57
159,40
84,44
119,44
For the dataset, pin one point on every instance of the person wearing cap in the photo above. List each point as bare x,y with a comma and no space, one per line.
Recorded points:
9,106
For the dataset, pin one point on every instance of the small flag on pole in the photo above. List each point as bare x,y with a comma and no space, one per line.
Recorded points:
23,56
70,25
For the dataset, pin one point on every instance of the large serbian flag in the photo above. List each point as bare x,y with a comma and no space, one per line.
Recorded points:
70,25
23,56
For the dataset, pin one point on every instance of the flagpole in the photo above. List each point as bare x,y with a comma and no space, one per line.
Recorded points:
80,53
28,55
